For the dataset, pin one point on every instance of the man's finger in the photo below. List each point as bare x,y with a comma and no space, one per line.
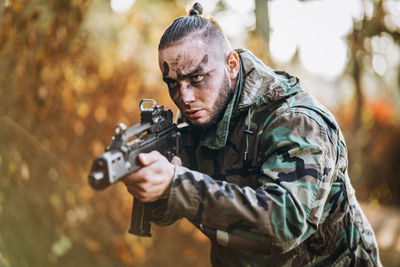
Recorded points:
133,178
148,158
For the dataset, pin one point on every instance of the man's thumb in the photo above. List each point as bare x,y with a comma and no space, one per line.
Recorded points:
147,158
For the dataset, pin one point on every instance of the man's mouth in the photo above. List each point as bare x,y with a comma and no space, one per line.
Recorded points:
193,114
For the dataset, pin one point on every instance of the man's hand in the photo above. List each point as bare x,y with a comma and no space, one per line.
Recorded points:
152,181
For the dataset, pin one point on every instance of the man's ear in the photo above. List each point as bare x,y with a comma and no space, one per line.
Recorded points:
233,64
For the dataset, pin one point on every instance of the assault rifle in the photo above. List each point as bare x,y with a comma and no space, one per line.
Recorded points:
154,132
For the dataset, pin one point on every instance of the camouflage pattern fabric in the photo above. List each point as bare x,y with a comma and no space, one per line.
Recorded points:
268,185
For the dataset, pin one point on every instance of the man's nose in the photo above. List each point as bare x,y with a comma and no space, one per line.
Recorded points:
187,93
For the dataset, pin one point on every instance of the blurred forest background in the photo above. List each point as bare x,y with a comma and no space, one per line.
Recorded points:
70,70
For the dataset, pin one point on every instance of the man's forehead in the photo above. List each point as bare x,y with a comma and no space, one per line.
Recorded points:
188,48
189,55
184,63
184,52
184,69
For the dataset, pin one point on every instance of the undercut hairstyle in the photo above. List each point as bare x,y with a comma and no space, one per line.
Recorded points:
194,22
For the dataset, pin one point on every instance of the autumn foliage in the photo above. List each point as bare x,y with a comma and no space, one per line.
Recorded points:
64,86
70,71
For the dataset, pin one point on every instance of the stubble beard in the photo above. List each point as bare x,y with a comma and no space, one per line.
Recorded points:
220,105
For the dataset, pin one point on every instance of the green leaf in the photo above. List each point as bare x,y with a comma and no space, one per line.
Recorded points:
61,246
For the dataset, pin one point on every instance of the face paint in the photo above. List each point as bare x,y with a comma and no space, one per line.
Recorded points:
166,69
198,80
205,59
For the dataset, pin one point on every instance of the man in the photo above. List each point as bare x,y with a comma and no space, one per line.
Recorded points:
264,168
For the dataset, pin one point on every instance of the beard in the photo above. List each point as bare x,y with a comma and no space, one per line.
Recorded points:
224,96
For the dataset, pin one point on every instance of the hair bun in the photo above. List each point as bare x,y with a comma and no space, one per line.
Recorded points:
196,10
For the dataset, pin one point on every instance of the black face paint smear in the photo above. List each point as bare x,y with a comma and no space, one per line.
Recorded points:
205,59
166,68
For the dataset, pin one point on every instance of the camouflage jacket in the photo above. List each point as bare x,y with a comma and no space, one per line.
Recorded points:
268,185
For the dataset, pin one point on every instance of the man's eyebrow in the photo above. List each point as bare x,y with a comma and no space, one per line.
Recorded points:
198,69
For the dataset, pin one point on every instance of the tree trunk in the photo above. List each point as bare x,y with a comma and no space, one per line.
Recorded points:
263,27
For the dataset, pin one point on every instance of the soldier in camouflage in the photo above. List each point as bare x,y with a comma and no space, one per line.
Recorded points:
264,172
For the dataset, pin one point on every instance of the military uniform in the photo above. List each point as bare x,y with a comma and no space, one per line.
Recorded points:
268,185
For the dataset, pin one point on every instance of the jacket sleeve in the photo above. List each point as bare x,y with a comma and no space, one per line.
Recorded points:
294,180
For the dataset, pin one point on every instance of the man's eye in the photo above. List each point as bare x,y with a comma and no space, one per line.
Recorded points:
173,84
197,78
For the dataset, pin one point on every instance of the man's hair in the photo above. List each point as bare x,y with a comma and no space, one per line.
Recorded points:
194,23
